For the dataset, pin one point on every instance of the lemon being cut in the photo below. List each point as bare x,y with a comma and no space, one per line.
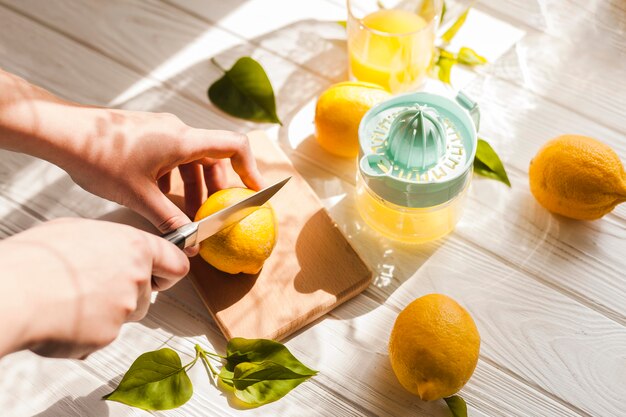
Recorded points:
244,246
433,347
339,111
577,177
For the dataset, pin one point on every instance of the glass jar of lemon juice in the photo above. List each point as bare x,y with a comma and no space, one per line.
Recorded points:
416,153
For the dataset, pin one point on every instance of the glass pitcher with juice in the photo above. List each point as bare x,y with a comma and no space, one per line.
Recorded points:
392,46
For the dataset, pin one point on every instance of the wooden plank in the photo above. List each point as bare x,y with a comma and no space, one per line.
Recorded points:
13,218
304,33
36,186
72,392
598,23
181,59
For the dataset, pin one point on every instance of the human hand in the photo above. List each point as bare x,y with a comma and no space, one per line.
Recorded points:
68,285
129,156
122,155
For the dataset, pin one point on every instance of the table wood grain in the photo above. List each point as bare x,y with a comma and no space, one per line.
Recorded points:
548,294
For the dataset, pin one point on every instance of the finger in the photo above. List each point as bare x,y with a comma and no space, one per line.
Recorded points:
152,204
215,176
192,179
165,182
169,264
225,144
192,251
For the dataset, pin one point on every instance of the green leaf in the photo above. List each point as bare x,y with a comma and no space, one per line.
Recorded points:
265,382
342,23
446,54
245,92
443,12
240,350
488,164
262,370
227,375
445,69
452,30
457,406
155,381
468,56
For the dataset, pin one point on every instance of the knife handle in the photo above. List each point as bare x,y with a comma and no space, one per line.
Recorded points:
176,238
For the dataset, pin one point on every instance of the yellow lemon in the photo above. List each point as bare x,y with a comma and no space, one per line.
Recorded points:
577,177
244,246
339,111
434,347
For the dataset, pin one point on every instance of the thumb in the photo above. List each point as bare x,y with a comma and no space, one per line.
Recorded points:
162,212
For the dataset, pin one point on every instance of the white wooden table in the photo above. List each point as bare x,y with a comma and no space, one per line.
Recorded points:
548,294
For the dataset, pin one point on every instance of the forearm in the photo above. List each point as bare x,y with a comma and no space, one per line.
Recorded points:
35,122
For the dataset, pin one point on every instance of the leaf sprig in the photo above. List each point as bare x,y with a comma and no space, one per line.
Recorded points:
258,371
444,60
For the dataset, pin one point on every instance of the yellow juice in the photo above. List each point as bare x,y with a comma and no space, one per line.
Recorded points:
408,225
393,49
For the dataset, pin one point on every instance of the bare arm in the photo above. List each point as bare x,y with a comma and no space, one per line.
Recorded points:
124,156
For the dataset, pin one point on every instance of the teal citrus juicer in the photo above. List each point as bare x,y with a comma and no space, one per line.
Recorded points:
416,153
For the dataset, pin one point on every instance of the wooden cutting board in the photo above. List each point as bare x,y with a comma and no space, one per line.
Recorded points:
312,269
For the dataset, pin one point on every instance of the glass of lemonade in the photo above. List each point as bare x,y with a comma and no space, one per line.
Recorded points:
391,43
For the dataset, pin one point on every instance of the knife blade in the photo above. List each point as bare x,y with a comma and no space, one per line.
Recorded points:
195,232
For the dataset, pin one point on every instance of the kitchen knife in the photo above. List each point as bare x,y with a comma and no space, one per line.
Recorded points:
195,232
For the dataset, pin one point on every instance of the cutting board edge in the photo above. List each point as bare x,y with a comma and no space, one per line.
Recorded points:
304,320
299,322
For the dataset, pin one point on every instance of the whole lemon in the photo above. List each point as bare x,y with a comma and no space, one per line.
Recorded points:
244,246
339,111
577,177
433,347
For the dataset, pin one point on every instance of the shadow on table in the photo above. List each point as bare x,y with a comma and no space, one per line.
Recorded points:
91,404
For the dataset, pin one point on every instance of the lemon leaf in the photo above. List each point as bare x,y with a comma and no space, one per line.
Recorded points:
487,163
261,370
443,12
265,382
445,69
457,406
446,54
468,56
240,350
245,91
452,30
155,381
